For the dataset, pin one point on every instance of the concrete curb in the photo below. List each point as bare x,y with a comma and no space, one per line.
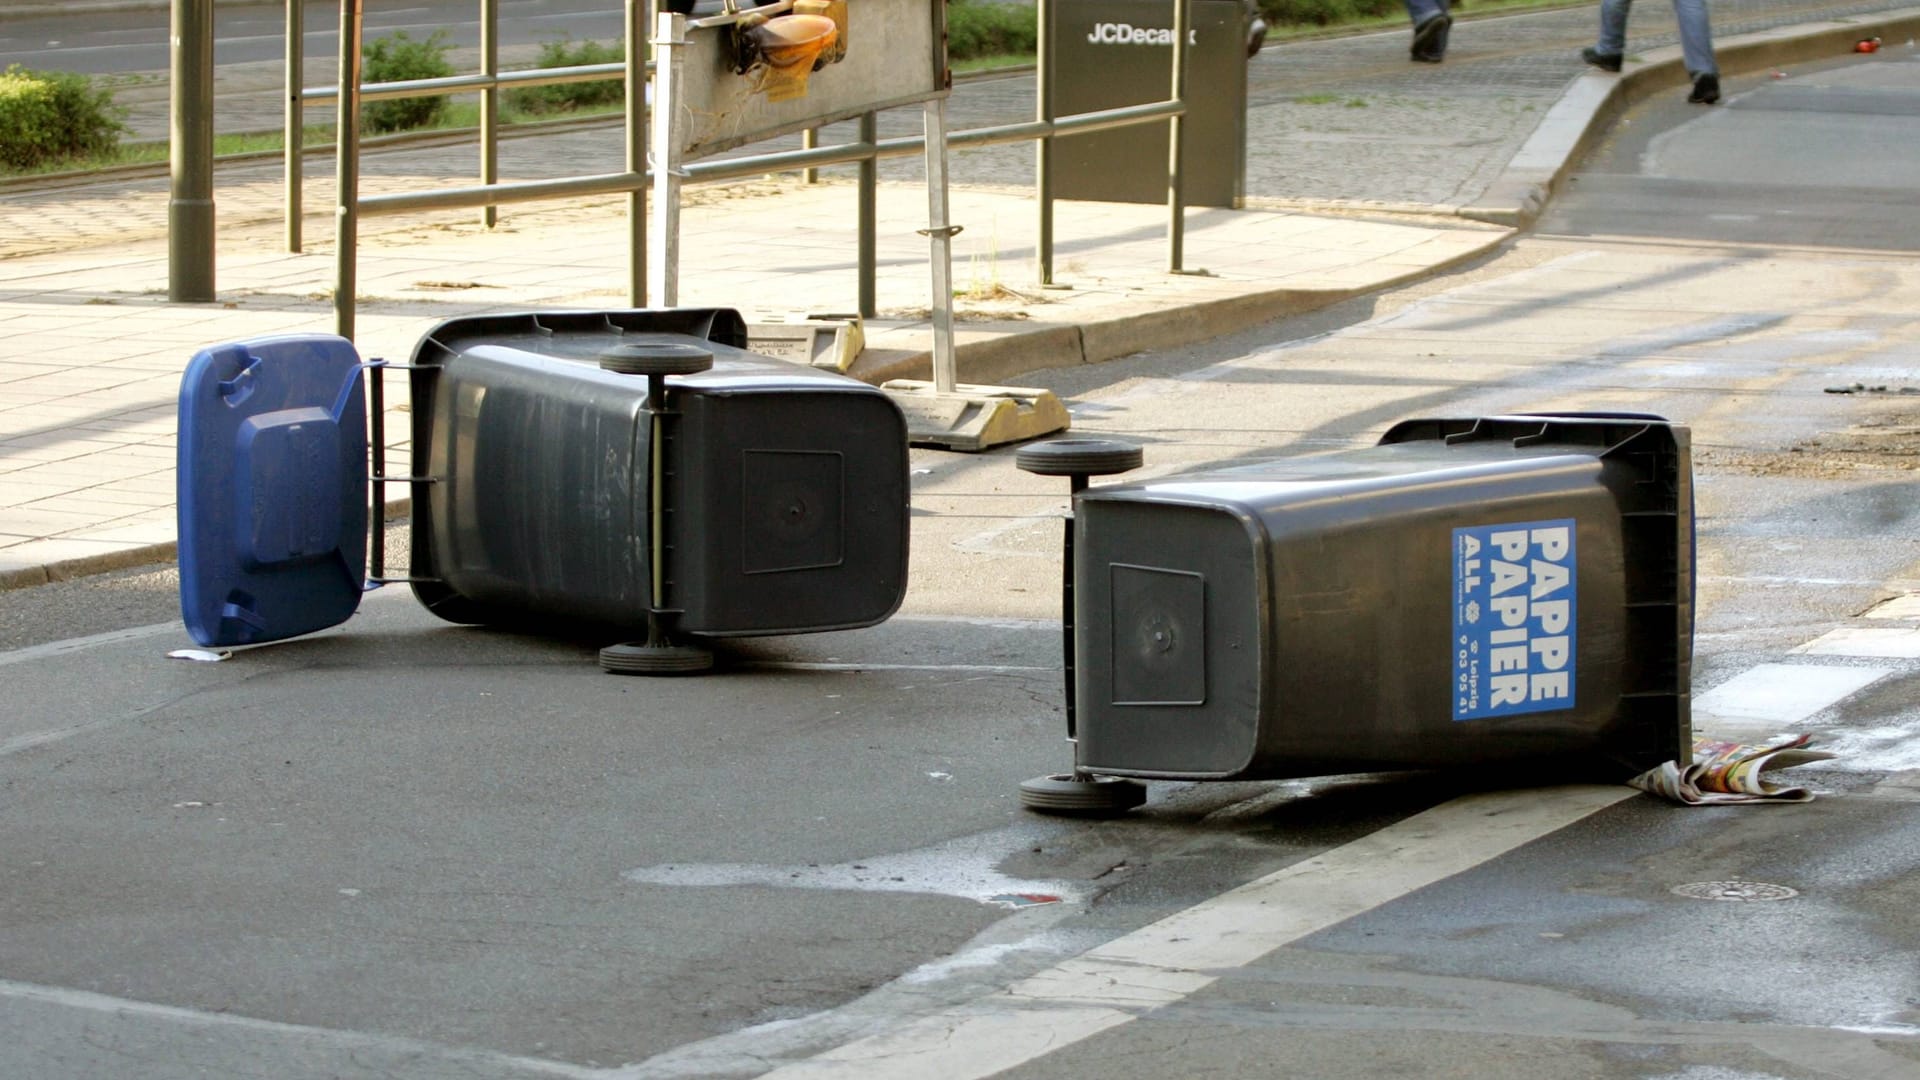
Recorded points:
69,569
994,353
1588,108
134,558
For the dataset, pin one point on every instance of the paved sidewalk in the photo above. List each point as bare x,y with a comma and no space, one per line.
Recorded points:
1437,169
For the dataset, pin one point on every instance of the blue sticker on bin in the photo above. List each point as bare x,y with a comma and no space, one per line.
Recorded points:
1514,623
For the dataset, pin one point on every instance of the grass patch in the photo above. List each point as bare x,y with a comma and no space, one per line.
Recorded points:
982,28
993,63
153,153
571,98
455,116
399,57
52,117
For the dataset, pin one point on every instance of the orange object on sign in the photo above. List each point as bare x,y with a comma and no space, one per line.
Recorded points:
790,44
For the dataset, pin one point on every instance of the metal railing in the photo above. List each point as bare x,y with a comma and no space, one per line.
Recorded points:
489,82
635,179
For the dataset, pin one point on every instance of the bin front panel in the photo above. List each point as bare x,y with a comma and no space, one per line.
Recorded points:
1168,600
272,488
1367,636
791,508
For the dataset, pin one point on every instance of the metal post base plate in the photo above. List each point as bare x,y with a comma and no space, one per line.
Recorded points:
973,418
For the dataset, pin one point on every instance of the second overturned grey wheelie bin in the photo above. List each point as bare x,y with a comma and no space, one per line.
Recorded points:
1503,590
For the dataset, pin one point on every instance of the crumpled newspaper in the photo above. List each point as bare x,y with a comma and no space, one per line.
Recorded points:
1727,772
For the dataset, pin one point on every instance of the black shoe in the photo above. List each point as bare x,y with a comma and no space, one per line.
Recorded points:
1605,61
1706,90
1430,39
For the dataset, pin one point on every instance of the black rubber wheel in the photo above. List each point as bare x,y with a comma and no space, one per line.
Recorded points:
632,658
1078,457
656,358
1091,796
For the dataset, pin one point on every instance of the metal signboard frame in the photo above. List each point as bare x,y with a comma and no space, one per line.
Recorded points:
894,55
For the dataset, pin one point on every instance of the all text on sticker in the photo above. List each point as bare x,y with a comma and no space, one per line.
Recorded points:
1513,618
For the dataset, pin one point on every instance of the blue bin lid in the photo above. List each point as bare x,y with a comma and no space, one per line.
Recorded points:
272,479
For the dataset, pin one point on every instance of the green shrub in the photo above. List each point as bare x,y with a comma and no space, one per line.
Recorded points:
567,97
1326,12
48,117
977,28
397,57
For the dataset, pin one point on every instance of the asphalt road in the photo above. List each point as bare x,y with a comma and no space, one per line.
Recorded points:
409,849
136,40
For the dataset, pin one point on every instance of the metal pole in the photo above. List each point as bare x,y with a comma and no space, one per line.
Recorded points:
377,443
656,507
294,138
941,236
1043,148
1176,124
663,248
190,255
1076,484
869,213
490,105
346,171
639,13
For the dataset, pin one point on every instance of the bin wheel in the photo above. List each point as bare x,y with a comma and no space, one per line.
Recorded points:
656,358
1082,795
1078,457
634,658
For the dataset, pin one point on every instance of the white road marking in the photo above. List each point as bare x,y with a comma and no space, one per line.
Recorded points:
383,595
1893,747
1892,642
81,644
1774,580
1900,607
1775,697
374,1053
1166,961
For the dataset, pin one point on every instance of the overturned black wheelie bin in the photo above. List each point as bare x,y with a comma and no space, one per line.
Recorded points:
1490,591
622,474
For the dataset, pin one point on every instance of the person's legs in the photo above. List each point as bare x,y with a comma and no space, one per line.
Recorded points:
1430,24
1696,37
1613,26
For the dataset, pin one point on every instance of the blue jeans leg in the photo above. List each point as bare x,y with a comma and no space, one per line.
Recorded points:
1613,27
1696,36
1419,11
